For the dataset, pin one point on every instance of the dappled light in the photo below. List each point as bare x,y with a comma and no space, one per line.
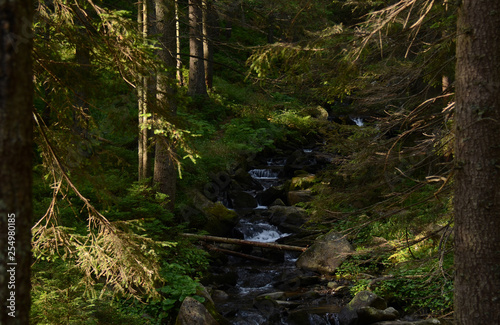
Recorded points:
258,162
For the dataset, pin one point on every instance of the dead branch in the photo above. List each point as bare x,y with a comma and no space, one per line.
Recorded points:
245,242
230,252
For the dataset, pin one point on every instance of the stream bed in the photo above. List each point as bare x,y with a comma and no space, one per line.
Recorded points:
274,292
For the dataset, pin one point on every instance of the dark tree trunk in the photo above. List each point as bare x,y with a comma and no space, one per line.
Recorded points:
165,173
141,93
477,191
146,91
180,78
196,85
208,27
16,147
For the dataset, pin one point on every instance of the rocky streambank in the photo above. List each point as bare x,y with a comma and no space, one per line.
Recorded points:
261,201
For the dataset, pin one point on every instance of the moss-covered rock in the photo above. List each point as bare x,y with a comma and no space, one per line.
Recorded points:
212,217
326,254
302,182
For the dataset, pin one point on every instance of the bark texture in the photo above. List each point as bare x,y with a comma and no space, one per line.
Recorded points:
16,133
208,34
165,172
196,84
146,90
477,192
142,101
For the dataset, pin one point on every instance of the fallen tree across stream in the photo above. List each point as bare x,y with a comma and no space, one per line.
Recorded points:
245,242
230,252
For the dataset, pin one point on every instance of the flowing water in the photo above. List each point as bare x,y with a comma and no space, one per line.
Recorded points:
254,279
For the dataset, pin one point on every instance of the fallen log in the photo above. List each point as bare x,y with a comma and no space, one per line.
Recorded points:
230,252
246,242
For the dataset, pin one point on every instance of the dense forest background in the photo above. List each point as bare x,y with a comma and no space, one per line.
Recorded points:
123,112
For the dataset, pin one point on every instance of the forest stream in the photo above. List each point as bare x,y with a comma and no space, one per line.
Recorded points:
275,292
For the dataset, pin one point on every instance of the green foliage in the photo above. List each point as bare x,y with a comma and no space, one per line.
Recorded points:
249,135
375,188
59,297
145,205
179,284
419,289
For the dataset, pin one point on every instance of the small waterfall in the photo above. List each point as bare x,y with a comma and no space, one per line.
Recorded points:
263,174
262,231
358,121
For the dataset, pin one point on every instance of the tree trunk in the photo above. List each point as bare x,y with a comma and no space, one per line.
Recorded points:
230,252
165,173
477,148
141,98
16,151
208,55
180,77
196,85
81,112
146,91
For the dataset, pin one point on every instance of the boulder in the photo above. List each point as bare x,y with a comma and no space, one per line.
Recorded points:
288,218
369,315
299,160
212,217
278,202
367,299
295,197
193,312
366,308
285,214
243,180
325,254
219,295
313,315
270,195
242,200
317,112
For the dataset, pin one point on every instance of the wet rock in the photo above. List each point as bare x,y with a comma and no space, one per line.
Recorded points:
212,217
295,197
281,215
365,303
220,219
270,195
369,315
332,285
193,312
243,180
299,160
221,279
367,299
313,315
243,200
219,295
278,202
326,253
278,295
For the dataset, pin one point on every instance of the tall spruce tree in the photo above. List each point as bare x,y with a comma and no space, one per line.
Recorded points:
165,173
16,151
477,191
197,85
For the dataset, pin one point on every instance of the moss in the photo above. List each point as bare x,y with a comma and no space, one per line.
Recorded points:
302,182
222,213
220,219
